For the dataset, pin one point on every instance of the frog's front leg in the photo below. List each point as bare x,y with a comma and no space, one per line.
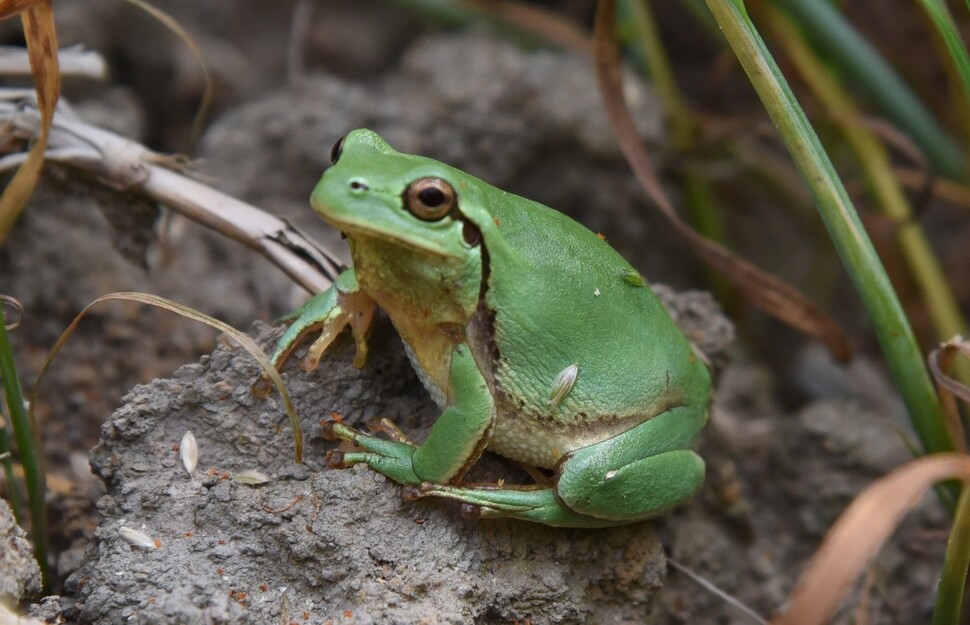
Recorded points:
636,475
454,443
329,313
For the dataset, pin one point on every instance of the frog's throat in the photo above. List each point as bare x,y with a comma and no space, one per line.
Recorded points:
429,300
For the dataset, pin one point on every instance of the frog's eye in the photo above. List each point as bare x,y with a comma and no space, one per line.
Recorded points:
337,148
429,199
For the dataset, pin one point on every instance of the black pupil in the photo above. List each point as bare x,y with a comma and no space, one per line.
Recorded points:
431,197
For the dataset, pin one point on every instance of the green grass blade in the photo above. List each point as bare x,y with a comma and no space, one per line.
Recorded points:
866,68
953,577
698,197
893,330
885,188
7,462
28,447
943,20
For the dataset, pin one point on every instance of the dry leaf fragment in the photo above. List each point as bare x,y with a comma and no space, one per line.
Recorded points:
860,531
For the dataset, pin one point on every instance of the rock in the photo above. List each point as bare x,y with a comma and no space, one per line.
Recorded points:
314,544
21,575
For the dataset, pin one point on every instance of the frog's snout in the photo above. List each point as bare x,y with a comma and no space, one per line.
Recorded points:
358,185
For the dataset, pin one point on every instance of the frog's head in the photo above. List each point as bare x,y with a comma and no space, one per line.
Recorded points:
373,191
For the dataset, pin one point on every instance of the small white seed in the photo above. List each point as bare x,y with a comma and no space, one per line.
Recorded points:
140,539
189,451
250,477
563,384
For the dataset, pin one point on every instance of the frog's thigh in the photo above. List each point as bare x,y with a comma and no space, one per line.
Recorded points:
638,474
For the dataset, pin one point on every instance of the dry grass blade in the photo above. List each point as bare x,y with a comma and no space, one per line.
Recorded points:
947,190
208,93
764,290
710,587
858,534
9,8
545,24
38,22
247,343
941,361
906,147
6,300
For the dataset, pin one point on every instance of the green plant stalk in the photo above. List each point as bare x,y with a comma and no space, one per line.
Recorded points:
943,20
892,329
697,193
661,74
866,69
874,158
28,445
7,461
706,218
953,576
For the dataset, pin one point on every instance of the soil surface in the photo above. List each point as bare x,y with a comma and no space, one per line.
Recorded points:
787,446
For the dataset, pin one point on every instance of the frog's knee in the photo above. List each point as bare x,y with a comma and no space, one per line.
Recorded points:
639,490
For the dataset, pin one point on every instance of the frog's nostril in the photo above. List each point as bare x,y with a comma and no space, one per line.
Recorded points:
357,185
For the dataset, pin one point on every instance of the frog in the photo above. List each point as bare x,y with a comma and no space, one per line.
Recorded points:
535,338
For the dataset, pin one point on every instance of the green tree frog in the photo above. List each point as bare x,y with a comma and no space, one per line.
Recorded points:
537,340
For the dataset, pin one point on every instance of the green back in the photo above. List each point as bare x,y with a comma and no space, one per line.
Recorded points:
560,297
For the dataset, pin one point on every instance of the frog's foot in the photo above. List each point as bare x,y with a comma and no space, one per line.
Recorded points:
392,458
329,313
529,503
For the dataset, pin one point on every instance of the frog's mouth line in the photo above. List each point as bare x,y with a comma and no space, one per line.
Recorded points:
350,227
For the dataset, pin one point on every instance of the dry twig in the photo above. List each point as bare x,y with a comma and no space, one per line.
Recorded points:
125,165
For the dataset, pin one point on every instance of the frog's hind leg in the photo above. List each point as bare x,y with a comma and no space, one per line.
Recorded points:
636,475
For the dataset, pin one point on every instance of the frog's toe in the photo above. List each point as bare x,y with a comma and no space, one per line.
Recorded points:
331,430
389,429
335,459
470,511
413,492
